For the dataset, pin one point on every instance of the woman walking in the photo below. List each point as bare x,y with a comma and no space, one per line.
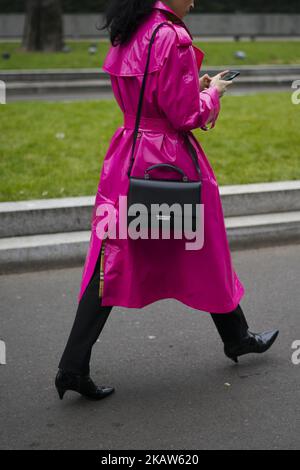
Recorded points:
134,273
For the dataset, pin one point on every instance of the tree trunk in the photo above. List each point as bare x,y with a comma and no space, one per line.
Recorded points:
43,29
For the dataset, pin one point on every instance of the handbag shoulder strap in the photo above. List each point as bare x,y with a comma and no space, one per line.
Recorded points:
140,104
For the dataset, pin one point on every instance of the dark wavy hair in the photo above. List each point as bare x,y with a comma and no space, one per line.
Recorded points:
122,17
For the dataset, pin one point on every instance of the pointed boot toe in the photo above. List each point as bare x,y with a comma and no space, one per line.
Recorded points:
98,392
268,338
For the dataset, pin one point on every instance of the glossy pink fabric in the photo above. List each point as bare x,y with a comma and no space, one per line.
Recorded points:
139,272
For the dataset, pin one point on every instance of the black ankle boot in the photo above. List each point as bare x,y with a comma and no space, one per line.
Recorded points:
252,343
236,336
82,384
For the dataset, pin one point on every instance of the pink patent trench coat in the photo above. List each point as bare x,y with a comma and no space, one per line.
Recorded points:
139,272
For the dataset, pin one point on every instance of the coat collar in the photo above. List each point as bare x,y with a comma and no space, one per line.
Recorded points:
163,6
159,5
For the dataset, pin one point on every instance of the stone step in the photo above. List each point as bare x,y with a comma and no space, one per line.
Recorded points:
66,249
101,85
97,73
45,216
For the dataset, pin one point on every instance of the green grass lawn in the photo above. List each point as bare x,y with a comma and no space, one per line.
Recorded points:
216,53
256,139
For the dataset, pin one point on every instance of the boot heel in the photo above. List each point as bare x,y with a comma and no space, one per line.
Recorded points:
234,359
61,392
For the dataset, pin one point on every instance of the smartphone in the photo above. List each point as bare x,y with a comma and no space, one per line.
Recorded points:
230,75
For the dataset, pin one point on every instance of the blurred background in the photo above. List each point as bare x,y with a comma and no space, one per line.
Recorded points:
60,113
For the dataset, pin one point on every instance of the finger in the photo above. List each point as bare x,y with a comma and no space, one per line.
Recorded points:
224,73
225,82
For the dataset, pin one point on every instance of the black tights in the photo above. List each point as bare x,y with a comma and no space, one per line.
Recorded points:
88,324
91,317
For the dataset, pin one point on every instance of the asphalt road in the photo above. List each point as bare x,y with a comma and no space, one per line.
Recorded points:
165,361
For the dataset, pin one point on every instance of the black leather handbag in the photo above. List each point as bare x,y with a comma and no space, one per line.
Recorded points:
148,191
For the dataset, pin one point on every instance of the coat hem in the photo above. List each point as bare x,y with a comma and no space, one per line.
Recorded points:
202,307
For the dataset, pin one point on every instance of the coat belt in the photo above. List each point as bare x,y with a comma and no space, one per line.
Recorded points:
148,124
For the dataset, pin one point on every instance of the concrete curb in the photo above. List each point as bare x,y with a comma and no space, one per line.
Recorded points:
69,249
260,198
51,233
45,216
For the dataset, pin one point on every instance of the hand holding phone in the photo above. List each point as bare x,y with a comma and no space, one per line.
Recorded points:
222,80
230,75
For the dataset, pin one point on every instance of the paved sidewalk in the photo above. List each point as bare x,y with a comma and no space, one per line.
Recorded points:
165,361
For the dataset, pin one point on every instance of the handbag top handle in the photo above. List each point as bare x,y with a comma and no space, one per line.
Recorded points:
140,104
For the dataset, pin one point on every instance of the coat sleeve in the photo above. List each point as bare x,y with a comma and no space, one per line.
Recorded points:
179,95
